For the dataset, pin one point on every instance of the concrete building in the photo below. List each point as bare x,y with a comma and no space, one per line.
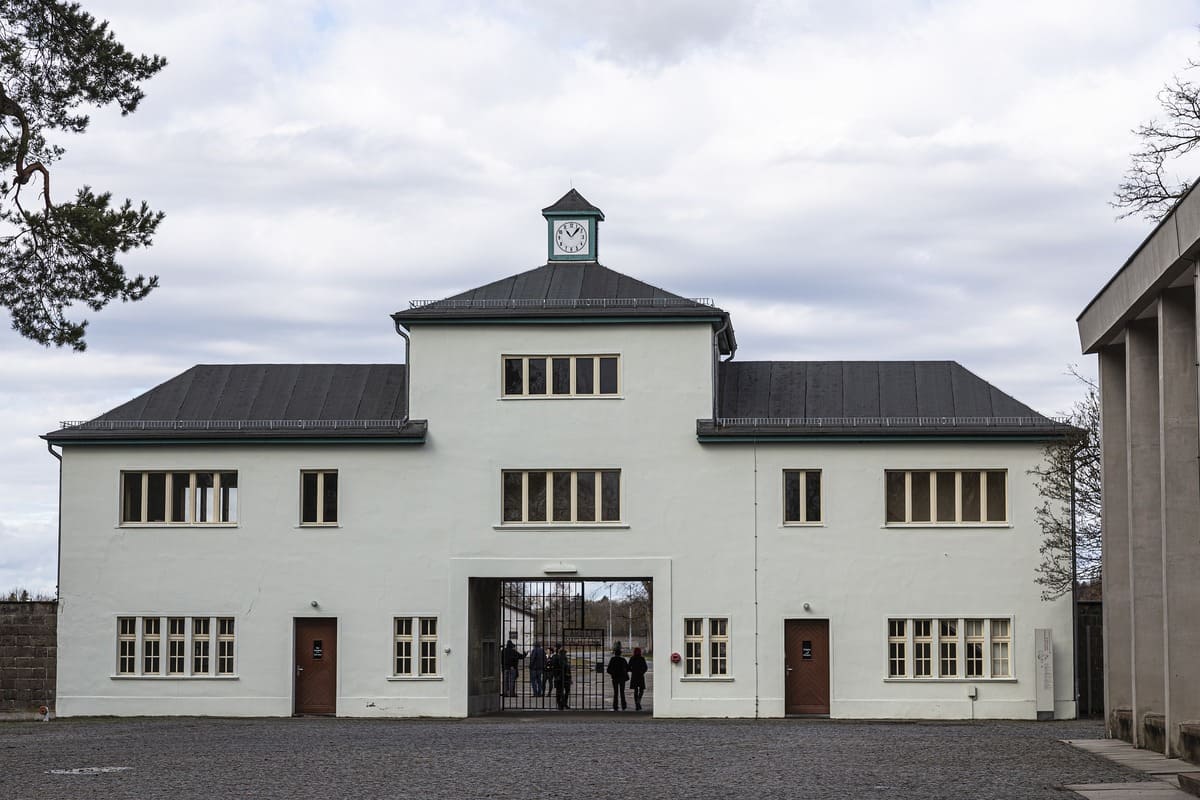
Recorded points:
854,539
1142,326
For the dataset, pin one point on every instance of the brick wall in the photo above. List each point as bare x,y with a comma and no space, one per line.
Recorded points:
28,655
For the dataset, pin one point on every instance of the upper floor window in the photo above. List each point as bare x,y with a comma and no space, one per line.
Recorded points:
179,498
319,497
801,496
562,376
946,497
561,497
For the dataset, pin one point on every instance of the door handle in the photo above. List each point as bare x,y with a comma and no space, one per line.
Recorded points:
787,668
299,670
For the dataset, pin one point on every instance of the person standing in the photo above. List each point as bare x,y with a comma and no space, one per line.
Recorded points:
562,678
637,677
618,670
509,659
537,669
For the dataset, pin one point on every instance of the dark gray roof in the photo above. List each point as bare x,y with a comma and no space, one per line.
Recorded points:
572,203
262,401
569,292
880,398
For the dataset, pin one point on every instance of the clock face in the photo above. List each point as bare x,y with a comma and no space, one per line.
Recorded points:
570,237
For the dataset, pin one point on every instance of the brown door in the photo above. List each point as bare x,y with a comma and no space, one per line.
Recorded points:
806,666
316,666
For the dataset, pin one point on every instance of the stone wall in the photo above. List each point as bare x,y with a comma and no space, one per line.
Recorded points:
28,656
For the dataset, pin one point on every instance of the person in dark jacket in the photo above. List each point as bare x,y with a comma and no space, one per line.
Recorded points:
637,677
561,668
537,669
510,659
618,670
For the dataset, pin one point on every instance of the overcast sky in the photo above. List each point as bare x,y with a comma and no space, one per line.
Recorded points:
853,180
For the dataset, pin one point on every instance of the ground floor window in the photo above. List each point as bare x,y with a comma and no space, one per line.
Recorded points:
949,647
140,646
706,647
415,644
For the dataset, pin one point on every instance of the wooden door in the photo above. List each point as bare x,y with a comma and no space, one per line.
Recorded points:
316,666
806,666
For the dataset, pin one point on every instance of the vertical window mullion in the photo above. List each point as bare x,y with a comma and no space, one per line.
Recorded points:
145,513
908,495
574,481
958,496
571,386
983,507
524,495
320,497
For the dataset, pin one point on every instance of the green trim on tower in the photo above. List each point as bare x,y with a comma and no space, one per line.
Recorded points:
592,228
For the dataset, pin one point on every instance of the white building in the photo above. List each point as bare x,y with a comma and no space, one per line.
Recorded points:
846,538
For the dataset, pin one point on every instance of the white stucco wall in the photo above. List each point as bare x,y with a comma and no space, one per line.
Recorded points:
417,522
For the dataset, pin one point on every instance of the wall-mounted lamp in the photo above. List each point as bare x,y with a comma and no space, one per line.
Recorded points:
314,604
807,607
560,569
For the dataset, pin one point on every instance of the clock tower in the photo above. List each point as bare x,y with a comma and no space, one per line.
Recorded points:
571,226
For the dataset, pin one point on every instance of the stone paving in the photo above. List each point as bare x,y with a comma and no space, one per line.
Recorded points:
604,755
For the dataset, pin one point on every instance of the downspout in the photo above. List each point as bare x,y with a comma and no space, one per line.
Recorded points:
58,566
407,370
716,389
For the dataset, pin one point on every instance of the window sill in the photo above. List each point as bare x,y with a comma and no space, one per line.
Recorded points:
562,397
706,679
949,680
941,526
802,525
562,526
174,526
308,526
414,678
174,677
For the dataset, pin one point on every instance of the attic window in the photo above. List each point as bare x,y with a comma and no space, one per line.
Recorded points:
561,376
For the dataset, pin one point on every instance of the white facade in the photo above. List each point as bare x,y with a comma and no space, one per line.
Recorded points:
418,522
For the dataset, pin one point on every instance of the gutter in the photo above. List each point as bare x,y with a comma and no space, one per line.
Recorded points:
58,565
407,368
716,347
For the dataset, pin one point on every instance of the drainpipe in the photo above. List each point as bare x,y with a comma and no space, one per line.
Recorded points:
58,566
715,359
407,370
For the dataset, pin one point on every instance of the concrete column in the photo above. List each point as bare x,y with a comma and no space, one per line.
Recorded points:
1114,487
1180,446
1145,524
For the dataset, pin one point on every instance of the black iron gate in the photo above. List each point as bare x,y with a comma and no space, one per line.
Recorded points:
550,613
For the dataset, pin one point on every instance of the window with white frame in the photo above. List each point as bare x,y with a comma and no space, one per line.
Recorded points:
415,643
142,642
561,497
946,497
949,648
801,496
318,497
706,647
561,376
179,498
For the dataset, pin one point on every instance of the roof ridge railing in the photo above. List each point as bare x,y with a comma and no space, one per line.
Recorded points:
889,422
597,302
229,424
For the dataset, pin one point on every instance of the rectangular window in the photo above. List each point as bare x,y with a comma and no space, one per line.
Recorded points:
200,649
179,498
561,376
948,648
126,645
801,497
897,646
225,642
961,645
1001,648
176,646
922,648
319,497
560,497
946,497
415,647
973,632
151,640
703,635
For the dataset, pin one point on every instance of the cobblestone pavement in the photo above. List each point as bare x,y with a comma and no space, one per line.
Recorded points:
602,755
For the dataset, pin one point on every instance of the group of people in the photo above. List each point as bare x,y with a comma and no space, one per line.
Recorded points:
547,670
552,670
